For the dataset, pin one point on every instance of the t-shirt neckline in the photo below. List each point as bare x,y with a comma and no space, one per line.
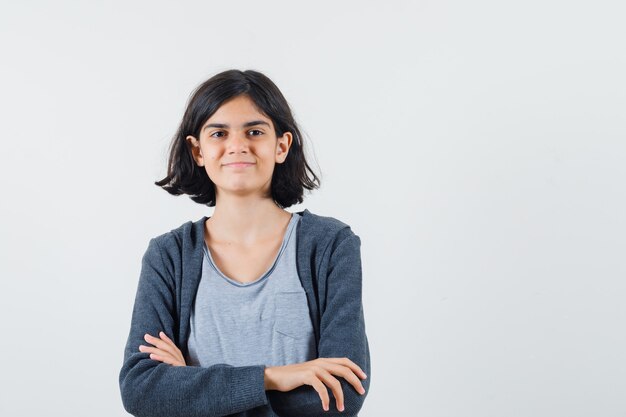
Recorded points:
286,237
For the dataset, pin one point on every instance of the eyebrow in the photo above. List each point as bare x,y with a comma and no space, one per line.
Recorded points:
247,124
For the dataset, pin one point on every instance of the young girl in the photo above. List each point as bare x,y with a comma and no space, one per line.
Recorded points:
253,311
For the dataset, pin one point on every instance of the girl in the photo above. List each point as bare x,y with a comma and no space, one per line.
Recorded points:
253,311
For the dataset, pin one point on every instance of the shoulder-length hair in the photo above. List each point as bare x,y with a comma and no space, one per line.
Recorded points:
184,176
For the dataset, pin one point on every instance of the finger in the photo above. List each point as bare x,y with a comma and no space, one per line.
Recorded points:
334,385
164,359
340,366
167,339
347,362
156,351
348,375
162,356
321,390
174,349
161,344
177,353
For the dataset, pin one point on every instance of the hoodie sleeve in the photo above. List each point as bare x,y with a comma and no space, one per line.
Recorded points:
150,388
342,334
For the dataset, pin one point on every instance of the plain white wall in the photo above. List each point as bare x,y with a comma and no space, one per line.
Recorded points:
477,148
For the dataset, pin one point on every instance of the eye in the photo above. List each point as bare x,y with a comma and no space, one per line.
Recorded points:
256,130
219,131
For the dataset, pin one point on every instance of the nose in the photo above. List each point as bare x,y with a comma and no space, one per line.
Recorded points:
237,142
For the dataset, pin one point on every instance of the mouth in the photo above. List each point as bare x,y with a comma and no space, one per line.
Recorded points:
239,164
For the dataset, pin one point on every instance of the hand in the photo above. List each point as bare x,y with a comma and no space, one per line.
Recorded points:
316,373
165,350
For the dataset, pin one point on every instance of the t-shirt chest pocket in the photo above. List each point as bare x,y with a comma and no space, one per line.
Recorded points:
292,314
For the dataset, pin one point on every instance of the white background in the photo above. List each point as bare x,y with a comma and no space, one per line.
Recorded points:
477,148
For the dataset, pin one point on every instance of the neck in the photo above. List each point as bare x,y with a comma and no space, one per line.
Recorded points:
246,219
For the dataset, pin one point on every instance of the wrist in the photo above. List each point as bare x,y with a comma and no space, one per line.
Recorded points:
267,382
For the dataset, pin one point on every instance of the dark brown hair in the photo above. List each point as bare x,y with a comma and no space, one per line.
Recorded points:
184,176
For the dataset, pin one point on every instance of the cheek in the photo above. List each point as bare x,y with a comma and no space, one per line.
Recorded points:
211,154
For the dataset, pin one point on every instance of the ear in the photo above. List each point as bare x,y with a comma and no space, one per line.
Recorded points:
196,151
283,145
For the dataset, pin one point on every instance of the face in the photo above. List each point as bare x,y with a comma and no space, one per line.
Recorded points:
238,148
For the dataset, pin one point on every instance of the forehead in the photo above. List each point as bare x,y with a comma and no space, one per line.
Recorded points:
240,108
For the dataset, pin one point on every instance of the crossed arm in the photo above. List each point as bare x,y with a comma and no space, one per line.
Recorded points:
152,388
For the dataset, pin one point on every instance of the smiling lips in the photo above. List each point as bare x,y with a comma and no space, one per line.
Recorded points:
239,164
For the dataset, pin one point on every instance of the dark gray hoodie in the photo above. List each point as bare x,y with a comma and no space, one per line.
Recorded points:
329,267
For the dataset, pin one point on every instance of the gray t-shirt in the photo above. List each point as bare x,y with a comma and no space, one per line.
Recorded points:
264,322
